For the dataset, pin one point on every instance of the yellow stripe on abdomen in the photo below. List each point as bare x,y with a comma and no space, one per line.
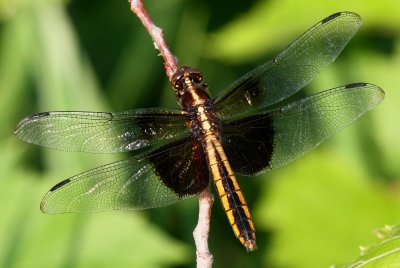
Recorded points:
231,196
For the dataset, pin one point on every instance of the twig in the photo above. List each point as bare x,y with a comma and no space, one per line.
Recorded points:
156,34
206,199
202,230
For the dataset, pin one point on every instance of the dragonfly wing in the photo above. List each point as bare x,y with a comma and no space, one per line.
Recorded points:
102,132
271,139
292,69
164,176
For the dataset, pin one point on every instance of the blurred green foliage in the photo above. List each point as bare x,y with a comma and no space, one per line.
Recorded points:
384,253
85,55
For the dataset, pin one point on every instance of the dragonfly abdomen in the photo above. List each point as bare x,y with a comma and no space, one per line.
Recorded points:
205,128
230,194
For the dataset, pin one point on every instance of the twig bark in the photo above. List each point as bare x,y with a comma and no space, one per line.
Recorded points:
202,230
206,199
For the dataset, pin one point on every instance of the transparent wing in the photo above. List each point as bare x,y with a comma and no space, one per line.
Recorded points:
167,175
102,132
292,69
265,141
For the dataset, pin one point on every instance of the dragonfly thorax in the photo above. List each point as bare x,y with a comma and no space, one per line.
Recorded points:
202,120
189,87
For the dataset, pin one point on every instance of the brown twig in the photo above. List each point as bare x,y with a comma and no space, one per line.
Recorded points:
206,199
156,34
202,230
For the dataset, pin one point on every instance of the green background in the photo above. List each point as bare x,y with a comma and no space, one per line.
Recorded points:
96,56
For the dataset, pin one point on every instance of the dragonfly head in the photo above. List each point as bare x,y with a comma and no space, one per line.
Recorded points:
189,87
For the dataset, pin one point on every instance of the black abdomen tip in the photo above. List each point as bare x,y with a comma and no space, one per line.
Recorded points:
250,245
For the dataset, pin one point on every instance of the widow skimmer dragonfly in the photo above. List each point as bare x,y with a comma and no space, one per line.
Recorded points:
249,128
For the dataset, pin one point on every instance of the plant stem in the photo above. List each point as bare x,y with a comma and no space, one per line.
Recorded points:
206,199
202,230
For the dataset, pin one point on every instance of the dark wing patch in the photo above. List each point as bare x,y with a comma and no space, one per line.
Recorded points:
282,135
249,143
102,132
292,69
159,178
184,169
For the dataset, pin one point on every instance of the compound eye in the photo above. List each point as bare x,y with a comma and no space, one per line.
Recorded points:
178,85
196,77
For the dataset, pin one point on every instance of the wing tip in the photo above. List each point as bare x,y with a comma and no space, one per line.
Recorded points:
44,205
364,85
338,14
30,118
379,93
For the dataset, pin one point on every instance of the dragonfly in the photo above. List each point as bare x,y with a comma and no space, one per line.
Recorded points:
249,128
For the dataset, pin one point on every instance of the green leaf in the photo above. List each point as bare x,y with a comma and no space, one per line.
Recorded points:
385,253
